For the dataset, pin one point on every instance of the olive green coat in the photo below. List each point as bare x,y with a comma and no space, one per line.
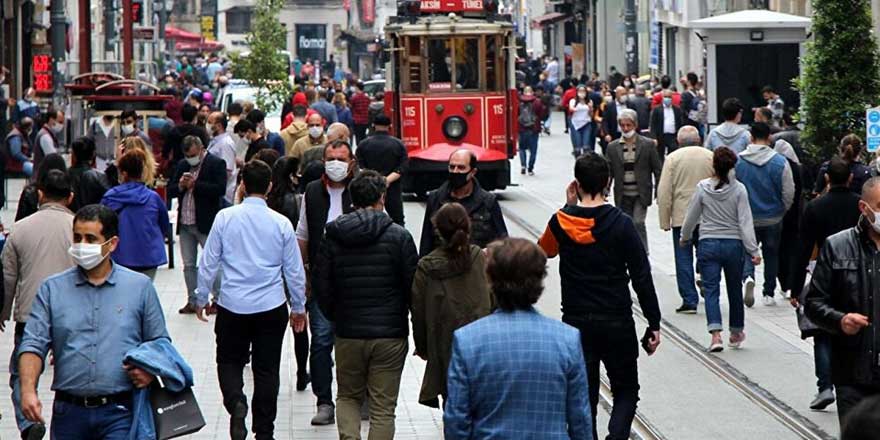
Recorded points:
443,301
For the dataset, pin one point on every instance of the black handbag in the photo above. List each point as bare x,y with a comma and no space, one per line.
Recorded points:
175,414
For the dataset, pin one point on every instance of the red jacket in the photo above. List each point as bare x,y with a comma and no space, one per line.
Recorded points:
567,97
657,99
360,108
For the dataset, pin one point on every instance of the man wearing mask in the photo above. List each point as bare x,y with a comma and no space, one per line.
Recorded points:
337,131
26,107
255,142
316,137
47,138
19,144
90,317
609,119
836,301
36,249
297,129
258,118
172,150
665,121
128,125
487,222
386,154
223,146
324,200
642,106
201,186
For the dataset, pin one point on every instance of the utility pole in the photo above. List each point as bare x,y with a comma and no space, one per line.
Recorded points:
58,33
85,37
631,37
109,27
127,39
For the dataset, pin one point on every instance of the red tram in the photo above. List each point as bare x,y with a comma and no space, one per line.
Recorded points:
450,84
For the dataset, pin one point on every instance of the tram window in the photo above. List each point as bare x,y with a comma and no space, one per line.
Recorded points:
440,62
467,62
492,63
454,56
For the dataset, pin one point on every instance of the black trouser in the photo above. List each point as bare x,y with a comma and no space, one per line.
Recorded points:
261,335
848,396
394,203
614,343
667,144
360,132
301,350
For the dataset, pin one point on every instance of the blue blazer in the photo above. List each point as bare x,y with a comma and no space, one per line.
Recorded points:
517,375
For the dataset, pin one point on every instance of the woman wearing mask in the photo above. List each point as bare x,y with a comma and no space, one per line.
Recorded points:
450,290
720,206
850,150
581,110
143,217
284,199
343,113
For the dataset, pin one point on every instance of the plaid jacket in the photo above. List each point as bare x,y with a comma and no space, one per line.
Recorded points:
519,376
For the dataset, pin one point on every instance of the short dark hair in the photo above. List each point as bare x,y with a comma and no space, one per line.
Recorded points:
267,155
863,421
760,131
53,161
838,171
338,144
300,111
55,185
592,173
692,78
83,150
665,81
128,113
768,89
234,109
189,113
243,126
730,108
256,176
366,188
516,271
191,141
99,213
256,116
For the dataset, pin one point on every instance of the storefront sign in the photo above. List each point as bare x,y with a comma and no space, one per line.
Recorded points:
208,19
311,41
42,65
452,6
368,12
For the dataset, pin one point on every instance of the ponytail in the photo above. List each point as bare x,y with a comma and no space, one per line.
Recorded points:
454,226
723,160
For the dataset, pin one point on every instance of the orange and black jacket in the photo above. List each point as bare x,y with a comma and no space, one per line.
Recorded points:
599,253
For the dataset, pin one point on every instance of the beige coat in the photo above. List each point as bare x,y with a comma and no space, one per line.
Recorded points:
303,144
36,249
683,169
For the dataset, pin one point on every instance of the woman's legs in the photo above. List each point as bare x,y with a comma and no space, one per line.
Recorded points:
710,268
733,268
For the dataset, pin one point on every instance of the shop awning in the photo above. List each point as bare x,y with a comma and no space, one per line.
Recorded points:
203,46
178,34
553,17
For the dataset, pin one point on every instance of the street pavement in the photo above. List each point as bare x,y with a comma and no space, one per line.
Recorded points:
679,396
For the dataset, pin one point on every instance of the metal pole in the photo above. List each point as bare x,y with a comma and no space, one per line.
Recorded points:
85,36
59,49
631,42
109,27
127,39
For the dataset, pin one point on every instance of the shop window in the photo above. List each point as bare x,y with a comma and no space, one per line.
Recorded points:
238,20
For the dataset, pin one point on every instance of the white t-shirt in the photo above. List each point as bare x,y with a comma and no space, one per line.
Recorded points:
335,210
223,146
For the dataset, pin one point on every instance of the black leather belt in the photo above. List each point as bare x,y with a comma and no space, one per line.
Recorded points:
123,398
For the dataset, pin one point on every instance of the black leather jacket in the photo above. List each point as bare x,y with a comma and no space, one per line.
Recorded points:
89,186
846,281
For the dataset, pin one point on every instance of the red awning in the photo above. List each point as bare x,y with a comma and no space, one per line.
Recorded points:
172,32
204,46
543,20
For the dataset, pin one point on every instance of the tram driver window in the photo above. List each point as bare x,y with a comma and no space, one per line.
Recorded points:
454,56
439,61
467,62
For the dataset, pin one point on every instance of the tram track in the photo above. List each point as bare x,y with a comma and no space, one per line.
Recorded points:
764,399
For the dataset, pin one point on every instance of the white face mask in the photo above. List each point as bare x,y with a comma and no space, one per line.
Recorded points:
193,161
127,129
315,132
57,128
876,223
629,134
336,170
87,255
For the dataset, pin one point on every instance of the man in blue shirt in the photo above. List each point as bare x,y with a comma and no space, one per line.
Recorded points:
252,306
90,316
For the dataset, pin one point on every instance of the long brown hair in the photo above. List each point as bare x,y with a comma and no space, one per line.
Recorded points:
850,148
723,160
454,226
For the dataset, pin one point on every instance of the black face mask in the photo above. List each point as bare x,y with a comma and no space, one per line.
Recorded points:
458,180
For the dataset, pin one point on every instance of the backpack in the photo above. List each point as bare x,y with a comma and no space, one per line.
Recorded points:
527,117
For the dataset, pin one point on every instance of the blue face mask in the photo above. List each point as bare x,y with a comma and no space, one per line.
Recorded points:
667,102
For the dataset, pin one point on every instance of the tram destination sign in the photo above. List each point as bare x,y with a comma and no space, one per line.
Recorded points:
452,6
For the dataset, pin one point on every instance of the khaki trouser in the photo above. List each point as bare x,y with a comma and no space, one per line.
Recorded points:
368,368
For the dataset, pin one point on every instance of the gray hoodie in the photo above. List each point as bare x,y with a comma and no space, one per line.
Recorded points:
729,135
759,155
721,213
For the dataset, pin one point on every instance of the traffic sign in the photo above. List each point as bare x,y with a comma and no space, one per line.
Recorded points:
872,128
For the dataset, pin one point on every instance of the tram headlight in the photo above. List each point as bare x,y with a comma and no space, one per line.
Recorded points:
455,128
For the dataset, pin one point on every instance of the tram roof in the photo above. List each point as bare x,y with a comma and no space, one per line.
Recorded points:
444,25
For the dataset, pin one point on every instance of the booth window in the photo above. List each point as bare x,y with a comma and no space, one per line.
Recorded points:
238,20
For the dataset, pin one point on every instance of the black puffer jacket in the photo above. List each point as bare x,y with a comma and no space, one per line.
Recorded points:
364,274
844,282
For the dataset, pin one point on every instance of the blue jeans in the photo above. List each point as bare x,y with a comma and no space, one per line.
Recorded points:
580,138
15,380
715,255
769,237
528,143
684,268
822,359
74,422
320,362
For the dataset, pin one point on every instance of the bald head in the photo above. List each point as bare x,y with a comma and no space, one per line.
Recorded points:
462,160
338,131
315,118
688,136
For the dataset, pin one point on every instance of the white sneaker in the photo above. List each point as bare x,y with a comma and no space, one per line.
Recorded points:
749,287
769,301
